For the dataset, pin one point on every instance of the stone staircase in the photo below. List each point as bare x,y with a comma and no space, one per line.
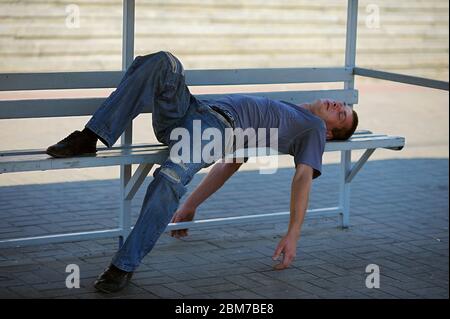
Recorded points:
412,36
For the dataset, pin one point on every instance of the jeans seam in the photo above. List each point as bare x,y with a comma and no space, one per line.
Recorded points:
172,61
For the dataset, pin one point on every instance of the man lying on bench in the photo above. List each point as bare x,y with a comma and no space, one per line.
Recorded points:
157,80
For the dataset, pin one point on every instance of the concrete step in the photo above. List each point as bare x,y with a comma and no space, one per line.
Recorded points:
413,35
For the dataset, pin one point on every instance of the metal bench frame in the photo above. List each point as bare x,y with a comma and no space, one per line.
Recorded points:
147,155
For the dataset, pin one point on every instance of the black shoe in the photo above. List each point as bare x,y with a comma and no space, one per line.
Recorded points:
112,280
76,144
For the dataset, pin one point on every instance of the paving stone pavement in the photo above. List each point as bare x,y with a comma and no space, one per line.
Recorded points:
399,221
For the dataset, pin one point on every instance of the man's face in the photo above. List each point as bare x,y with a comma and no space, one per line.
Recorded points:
336,114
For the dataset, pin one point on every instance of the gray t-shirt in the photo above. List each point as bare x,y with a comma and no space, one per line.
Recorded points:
300,133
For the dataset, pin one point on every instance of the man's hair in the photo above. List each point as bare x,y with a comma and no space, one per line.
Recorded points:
346,133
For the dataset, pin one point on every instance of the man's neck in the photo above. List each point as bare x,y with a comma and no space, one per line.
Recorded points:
307,106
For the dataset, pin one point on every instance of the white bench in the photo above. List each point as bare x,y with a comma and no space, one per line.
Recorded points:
148,155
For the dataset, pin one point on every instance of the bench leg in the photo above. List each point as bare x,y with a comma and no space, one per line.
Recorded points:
125,206
130,189
344,189
125,176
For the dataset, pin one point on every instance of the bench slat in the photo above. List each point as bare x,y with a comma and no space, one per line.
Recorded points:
359,136
391,142
267,76
34,160
110,79
135,146
42,161
59,80
86,106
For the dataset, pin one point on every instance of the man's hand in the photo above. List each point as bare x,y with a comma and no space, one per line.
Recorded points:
301,185
182,215
288,249
216,177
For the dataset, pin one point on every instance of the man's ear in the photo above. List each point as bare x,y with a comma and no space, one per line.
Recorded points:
329,135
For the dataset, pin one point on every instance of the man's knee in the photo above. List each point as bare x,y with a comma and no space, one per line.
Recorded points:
157,59
174,62
165,59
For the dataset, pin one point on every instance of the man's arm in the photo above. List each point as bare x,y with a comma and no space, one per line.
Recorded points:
215,178
300,188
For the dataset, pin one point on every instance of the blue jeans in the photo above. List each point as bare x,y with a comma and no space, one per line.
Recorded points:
157,81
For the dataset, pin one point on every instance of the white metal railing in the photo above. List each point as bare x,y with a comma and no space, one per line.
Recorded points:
401,78
110,79
34,108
